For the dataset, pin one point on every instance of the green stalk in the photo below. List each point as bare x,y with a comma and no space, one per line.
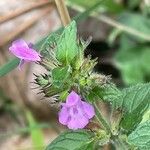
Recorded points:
101,119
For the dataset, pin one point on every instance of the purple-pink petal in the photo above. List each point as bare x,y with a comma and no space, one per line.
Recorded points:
21,50
63,116
78,122
72,99
19,43
78,119
88,109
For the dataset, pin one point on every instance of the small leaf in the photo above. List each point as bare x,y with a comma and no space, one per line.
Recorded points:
140,137
66,46
72,140
131,120
136,101
95,94
113,95
135,95
48,42
60,74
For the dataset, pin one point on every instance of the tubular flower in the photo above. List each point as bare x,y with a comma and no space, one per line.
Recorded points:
75,113
24,52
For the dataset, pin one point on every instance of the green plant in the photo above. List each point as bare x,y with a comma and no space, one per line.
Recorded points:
71,82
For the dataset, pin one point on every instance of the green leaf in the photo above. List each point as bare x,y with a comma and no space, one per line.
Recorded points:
60,74
66,46
135,95
88,146
140,137
136,100
131,120
44,46
134,58
113,95
72,140
95,94
6,68
36,134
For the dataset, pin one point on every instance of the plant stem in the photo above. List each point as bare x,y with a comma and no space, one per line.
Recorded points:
101,119
121,27
63,12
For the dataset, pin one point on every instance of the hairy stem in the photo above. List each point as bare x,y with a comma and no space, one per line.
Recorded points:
101,119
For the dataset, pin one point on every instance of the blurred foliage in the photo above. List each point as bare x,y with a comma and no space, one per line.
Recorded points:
133,3
132,59
136,21
36,133
8,107
106,5
133,54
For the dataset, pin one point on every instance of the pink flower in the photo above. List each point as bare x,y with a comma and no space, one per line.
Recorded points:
24,51
75,113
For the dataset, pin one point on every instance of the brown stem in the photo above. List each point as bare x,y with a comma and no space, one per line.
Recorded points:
19,12
63,12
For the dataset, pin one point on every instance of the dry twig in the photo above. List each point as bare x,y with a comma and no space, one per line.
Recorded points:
23,27
19,12
63,12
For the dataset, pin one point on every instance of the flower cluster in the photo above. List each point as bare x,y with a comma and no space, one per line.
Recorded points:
75,113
